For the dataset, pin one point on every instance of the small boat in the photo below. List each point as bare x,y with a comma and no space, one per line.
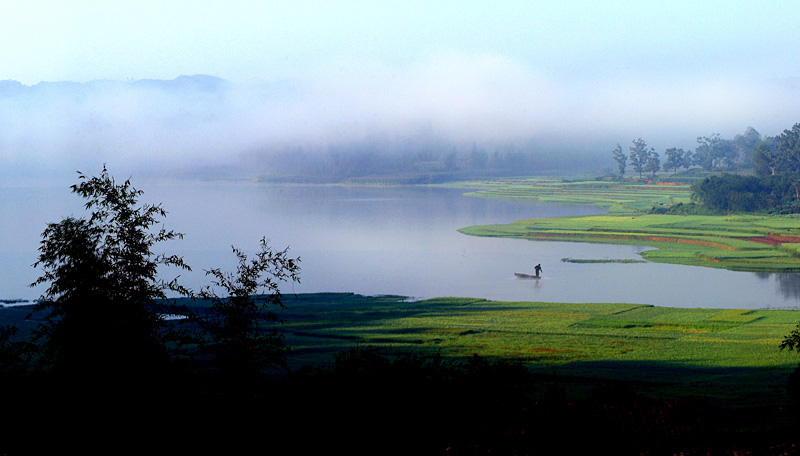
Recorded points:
526,276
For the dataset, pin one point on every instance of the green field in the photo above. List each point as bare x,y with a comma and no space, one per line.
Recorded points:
745,242
620,198
725,354
728,354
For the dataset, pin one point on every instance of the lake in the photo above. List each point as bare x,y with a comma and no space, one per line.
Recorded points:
396,240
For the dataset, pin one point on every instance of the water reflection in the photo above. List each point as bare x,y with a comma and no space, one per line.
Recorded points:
787,284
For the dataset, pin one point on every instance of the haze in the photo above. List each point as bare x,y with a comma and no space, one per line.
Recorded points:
575,77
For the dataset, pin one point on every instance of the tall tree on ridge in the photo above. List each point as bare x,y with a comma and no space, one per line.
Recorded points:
674,159
621,159
640,155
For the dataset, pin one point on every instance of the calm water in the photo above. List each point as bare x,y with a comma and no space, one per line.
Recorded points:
387,241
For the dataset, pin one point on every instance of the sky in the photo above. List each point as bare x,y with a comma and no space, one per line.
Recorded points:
470,70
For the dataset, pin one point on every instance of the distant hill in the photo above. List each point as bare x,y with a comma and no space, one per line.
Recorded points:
199,82
181,84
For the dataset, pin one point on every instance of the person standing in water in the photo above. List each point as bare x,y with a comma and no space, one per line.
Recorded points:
538,269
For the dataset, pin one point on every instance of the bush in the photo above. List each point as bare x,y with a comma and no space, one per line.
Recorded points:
738,193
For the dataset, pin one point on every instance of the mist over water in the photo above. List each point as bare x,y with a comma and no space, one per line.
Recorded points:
399,240
203,124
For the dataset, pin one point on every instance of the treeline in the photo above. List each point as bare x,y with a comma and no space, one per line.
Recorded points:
739,193
751,172
428,156
713,153
774,187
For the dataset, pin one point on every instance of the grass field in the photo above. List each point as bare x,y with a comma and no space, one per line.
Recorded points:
619,198
731,356
747,242
728,355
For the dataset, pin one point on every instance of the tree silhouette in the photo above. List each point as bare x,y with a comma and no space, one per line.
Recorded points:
240,329
104,308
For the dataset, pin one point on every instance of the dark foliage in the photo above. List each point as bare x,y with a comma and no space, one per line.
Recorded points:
374,404
104,304
792,340
789,150
15,355
682,209
239,331
731,192
765,158
369,402
738,193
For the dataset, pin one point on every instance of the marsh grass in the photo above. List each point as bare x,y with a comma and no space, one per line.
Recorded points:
618,197
739,242
592,261
672,350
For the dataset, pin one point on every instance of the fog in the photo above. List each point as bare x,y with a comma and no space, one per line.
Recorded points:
551,79
196,123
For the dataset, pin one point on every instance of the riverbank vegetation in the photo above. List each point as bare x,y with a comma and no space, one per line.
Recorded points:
421,159
659,215
620,198
740,243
